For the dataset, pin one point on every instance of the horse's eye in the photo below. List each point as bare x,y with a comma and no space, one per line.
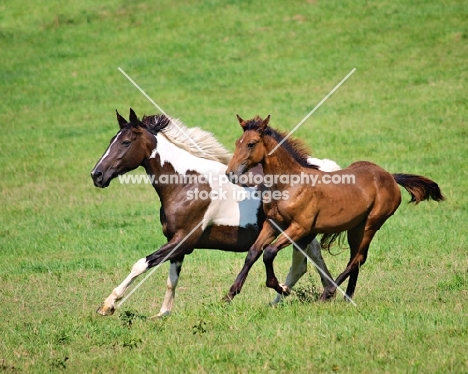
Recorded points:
126,143
251,145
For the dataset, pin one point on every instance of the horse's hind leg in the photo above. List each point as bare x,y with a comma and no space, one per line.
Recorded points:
297,270
359,239
314,250
362,240
355,238
299,267
358,260
171,284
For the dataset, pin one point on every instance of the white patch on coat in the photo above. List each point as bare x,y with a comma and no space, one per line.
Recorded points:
324,164
233,207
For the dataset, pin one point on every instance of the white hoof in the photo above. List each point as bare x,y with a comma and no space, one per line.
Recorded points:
105,310
167,313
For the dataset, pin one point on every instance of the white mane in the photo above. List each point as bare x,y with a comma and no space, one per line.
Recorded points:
184,137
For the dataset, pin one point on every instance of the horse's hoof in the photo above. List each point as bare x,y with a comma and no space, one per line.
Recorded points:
227,299
277,301
104,310
286,291
327,296
160,315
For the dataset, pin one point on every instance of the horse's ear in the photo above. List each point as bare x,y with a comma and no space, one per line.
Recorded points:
122,121
134,119
264,125
242,123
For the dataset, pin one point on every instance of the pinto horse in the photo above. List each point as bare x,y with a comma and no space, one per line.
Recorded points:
160,145
359,208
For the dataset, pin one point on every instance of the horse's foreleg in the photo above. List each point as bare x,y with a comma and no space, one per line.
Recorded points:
107,308
266,236
174,249
171,284
293,234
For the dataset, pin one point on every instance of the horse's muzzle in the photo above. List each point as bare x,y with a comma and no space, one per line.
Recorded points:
232,177
98,179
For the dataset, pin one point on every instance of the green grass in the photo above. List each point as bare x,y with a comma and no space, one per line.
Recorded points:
65,244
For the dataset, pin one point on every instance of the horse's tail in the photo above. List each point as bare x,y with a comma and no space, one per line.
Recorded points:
420,188
327,240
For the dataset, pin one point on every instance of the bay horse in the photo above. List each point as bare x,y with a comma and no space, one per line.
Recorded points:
359,208
158,143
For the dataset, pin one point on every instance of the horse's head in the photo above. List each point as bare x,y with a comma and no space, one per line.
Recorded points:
127,150
250,149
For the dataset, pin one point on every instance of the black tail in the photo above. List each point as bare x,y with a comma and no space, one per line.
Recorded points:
420,188
327,240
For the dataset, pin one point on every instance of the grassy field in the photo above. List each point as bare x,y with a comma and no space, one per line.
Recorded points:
64,244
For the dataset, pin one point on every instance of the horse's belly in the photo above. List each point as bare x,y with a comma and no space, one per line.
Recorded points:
228,238
338,220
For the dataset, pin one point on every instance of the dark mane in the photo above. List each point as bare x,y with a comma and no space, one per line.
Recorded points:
295,147
156,123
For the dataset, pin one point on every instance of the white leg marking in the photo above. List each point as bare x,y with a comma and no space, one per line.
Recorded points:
314,251
297,270
137,269
171,285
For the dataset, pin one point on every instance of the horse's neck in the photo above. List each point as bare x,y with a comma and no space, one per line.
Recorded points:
280,161
167,159
182,160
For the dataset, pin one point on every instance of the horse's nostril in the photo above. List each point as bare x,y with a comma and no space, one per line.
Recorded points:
96,175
